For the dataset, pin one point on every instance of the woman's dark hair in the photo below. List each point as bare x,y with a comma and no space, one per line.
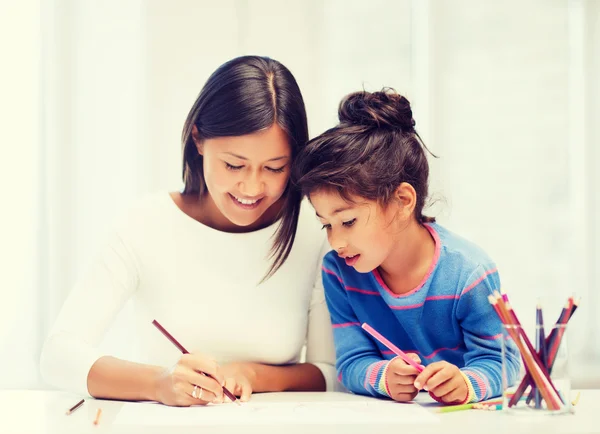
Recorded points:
369,153
245,95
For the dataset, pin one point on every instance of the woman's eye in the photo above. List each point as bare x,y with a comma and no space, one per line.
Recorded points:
232,167
327,226
349,223
279,170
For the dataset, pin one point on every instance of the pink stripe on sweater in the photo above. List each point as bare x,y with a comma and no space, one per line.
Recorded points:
431,298
442,297
478,281
441,349
491,338
349,288
362,291
346,324
332,273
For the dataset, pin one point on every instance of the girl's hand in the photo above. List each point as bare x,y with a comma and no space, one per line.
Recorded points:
183,384
240,379
444,381
400,378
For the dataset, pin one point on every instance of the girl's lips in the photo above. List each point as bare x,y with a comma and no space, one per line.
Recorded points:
352,261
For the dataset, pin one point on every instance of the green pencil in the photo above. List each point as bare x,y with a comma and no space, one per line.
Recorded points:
451,408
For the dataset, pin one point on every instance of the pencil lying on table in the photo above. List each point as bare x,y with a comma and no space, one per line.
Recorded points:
75,407
181,348
98,414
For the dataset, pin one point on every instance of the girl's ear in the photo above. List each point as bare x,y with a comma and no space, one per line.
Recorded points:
197,140
406,196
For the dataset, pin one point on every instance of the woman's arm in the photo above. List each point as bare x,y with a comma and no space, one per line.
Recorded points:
70,350
113,378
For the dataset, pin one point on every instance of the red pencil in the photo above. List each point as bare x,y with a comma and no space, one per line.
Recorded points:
184,351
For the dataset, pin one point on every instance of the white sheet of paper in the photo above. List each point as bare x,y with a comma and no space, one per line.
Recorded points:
270,413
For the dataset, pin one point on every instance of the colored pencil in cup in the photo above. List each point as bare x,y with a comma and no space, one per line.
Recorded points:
541,348
181,348
392,347
75,407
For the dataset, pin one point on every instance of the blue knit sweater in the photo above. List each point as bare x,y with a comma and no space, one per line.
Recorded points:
446,317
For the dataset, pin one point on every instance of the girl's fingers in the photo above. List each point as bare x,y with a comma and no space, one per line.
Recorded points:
455,395
444,388
404,388
403,379
438,378
424,377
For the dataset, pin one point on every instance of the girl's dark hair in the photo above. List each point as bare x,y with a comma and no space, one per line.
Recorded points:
245,95
369,153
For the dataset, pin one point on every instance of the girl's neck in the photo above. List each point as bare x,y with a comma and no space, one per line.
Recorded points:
409,262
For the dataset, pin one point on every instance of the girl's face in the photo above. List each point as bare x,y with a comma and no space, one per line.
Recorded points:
363,233
245,175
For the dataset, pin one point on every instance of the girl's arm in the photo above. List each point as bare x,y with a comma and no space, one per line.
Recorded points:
360,367
482,330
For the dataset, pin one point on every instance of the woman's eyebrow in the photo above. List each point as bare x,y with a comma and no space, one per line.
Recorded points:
241,157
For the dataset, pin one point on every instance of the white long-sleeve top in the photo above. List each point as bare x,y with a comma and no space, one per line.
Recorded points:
203,286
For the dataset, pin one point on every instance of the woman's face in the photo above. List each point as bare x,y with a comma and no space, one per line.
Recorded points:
246,175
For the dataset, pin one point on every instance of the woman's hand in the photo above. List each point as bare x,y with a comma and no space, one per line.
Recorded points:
444,381
240,379
184,384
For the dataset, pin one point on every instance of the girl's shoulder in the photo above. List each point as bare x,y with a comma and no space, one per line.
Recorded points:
460,249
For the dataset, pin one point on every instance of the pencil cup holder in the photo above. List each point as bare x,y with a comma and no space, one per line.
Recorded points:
535,372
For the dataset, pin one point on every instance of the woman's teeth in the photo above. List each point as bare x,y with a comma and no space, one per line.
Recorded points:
246,201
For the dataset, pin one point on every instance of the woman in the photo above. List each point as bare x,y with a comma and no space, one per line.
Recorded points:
228,266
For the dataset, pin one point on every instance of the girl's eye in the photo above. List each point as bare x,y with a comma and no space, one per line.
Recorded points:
232,167
327,226
349,223
279,170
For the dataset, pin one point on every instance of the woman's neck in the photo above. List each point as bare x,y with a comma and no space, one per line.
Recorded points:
409,262
204,210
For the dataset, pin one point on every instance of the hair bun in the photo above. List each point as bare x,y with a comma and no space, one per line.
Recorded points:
383,109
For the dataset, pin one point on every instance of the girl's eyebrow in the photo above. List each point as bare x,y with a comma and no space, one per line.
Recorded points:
241,157
338,210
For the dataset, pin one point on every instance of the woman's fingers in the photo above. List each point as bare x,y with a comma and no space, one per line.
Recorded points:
206,365
246,391
199,395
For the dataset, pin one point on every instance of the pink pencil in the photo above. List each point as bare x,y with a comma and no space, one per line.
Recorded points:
392,347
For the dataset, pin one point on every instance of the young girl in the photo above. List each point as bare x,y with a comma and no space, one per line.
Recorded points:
417,283
229,266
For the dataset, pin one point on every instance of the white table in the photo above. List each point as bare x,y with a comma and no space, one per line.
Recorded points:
44,412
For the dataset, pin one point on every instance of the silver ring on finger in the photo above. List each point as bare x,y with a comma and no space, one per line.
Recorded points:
194,392
200,395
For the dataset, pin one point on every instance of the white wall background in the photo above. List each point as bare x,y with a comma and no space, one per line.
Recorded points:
94,95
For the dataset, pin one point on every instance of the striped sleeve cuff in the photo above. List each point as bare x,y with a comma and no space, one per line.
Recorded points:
476,384
376,379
